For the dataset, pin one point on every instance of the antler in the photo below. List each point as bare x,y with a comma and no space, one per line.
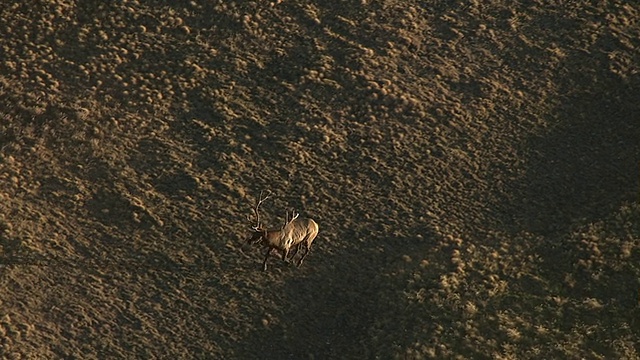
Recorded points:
294,215
256,209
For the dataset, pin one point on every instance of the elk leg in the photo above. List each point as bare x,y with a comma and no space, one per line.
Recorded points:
306,252
295,251
266,257
285,253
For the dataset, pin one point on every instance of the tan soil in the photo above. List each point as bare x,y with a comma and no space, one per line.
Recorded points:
473,167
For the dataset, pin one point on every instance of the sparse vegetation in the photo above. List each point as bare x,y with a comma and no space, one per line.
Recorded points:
472,166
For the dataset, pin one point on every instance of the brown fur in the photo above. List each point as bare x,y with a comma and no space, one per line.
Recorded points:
293,234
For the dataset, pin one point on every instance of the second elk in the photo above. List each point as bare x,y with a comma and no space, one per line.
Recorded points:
294,233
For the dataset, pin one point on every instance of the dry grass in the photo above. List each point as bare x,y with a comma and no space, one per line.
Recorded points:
472,167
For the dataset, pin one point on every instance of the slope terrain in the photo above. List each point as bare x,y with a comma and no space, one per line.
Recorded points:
473,167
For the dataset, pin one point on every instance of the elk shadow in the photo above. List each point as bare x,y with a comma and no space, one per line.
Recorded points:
348,305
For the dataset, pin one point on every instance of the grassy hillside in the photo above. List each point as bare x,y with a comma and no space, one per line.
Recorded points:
473,167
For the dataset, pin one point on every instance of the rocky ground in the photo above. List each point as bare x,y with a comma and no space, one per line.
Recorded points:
473,167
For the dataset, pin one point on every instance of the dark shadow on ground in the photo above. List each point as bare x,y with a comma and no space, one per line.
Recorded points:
580,172
346,306
587,165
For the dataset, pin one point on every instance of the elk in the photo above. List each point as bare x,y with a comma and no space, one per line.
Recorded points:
294,233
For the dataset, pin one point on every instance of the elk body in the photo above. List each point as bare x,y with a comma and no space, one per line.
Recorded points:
294,233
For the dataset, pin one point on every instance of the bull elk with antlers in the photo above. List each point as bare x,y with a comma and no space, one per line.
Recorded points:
294,233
